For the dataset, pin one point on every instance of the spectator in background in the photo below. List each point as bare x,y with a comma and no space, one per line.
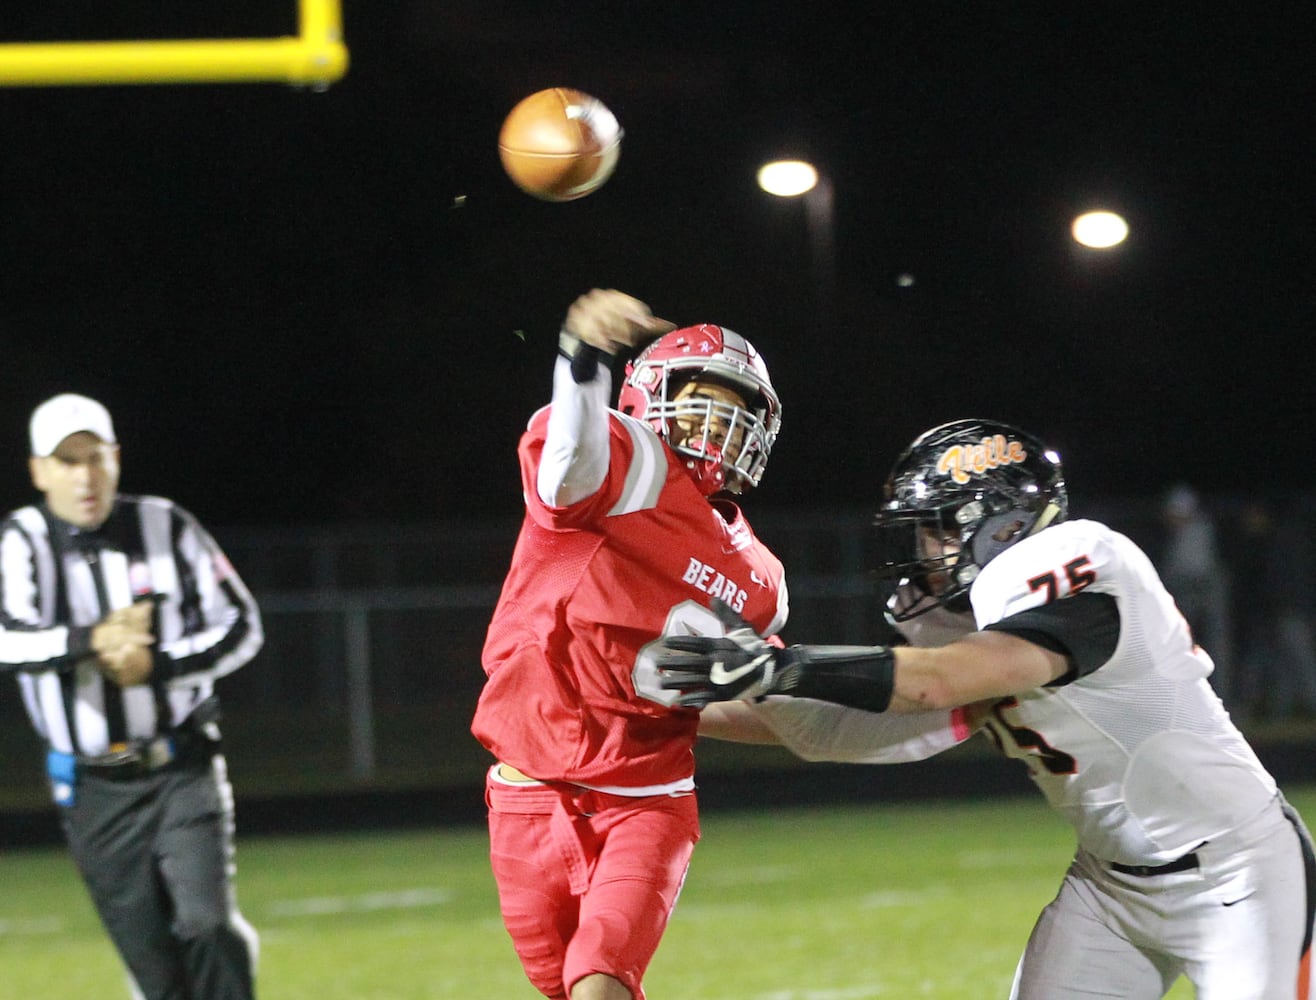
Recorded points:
1249,546
1290,597
1195,574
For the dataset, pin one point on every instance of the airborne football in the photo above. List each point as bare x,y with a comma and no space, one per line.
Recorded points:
559,144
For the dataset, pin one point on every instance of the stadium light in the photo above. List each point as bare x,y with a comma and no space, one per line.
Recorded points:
788,178
1100,230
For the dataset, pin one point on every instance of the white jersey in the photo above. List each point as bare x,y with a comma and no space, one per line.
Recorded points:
1138,754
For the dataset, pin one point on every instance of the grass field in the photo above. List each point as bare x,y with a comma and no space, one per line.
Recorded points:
837,903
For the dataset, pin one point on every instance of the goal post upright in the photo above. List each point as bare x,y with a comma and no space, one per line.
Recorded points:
315,57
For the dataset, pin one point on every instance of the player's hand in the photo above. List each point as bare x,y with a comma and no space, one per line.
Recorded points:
613,322
128,665
738,666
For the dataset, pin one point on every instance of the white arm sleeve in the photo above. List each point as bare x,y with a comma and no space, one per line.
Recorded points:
575,459
820,730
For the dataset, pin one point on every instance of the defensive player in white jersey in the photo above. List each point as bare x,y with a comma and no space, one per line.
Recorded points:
1189,860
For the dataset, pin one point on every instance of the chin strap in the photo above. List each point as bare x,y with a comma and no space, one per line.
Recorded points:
1046,517
708,474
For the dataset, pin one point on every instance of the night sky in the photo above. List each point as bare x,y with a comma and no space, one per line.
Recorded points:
319,307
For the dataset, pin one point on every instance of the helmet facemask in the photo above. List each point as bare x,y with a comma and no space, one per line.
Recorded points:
928,558
729,440
725,444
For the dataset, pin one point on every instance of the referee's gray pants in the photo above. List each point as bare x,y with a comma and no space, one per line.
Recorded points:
156,853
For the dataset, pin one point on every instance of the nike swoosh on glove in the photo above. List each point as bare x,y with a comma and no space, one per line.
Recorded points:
737,666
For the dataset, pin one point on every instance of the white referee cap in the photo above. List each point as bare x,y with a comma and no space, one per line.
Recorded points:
66,414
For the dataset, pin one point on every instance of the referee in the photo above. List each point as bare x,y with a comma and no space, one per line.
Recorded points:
117,613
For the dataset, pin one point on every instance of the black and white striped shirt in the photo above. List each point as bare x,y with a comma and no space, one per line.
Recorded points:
58,581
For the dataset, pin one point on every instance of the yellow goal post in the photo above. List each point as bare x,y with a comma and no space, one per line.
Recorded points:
315,57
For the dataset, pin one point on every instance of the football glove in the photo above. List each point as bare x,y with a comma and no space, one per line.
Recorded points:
742,666
737,666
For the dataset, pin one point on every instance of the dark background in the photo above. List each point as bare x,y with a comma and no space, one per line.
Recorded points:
333,309
317,307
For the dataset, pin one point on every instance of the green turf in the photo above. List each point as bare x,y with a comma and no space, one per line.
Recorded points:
837,903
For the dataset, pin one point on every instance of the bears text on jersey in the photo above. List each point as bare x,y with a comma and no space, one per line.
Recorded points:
706,578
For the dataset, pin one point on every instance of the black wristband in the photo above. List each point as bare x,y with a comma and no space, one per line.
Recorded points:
584,357
858,676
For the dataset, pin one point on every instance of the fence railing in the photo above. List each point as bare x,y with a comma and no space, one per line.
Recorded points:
371,668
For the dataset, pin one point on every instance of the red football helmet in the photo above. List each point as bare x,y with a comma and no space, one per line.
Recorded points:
733,460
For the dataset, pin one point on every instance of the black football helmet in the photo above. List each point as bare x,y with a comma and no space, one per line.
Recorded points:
958,497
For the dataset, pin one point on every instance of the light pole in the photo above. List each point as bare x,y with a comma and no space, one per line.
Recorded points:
820,217
800,179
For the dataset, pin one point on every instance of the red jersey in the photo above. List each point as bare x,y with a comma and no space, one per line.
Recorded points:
589,586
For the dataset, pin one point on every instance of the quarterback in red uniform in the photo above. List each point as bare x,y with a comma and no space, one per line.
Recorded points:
628,533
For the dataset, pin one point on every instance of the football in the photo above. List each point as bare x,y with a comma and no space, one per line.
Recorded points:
559,144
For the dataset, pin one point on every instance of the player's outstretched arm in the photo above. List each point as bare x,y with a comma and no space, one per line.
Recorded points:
981,666
576,454
742,666
736,722
824,731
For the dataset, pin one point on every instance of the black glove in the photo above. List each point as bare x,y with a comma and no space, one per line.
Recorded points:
738,666
741,666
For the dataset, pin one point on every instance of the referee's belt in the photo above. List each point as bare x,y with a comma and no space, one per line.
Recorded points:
1186,863
125,761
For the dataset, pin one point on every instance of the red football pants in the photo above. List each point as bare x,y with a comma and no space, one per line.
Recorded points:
587,880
